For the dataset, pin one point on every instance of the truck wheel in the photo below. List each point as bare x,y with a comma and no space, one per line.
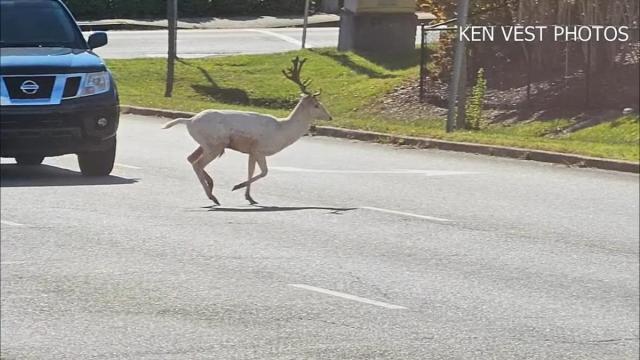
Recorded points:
29,159
97,163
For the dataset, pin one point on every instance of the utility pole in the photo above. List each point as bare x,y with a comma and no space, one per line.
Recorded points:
306,21
172,20
458,63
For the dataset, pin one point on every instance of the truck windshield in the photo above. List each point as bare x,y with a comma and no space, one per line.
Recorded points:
37,23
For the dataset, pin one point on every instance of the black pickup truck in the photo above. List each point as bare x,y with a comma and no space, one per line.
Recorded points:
56,95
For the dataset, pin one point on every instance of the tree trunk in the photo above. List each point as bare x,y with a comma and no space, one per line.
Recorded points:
172,20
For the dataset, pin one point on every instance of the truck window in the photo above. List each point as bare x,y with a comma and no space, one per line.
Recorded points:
37,23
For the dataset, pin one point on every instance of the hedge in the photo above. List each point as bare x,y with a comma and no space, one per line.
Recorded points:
111,9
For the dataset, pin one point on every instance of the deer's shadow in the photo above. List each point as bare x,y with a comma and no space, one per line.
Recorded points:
262,208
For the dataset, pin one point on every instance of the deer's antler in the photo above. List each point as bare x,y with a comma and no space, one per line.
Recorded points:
293,74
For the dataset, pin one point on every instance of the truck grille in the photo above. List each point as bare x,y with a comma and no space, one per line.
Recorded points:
29,87
34,121
71,87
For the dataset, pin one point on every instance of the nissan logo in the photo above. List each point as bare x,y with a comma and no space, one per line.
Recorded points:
29,87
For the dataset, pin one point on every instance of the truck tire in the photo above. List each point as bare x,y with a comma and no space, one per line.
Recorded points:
29,159
97,163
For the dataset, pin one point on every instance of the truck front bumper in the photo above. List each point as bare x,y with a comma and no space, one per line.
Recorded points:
67,128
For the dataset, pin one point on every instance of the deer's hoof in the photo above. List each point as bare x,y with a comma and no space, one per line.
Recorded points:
215,201
250,200
239,186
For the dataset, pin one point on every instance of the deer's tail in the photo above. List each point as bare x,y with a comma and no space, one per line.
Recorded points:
175,122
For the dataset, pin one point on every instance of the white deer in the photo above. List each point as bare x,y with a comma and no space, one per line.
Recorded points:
255,134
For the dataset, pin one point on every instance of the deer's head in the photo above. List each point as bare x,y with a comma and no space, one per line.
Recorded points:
309,101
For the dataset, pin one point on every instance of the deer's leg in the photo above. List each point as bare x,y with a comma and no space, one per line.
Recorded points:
205,180
252,168
193,158
195,155
262,163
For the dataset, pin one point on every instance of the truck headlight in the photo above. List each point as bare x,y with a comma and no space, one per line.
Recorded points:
95,83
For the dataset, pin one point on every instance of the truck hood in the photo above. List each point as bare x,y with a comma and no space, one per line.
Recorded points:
36,60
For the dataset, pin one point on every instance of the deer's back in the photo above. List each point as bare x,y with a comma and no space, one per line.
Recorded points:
237,130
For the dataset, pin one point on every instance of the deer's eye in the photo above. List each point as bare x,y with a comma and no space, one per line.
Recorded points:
316,106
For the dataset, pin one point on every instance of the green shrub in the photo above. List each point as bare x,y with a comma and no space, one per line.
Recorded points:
100,9
195,8
138,8
89,9
284,6
475,120
233,7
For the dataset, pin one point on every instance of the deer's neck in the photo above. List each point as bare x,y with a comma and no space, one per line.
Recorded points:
295,125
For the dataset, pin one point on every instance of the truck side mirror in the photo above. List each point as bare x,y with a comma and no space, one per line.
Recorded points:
97,40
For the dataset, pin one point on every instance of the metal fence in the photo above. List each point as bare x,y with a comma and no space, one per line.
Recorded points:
568,70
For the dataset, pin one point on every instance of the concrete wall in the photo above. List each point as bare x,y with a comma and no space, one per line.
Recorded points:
377,33
385,6
330,6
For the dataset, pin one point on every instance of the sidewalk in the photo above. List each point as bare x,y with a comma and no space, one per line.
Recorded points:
244,22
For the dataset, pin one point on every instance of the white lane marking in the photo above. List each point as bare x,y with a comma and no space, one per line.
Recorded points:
347,296
402,213
189,56
12,297
10,223
13,262
397,171
286,38
127,166
315,29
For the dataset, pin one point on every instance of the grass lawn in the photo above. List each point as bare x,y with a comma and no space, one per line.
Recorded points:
349,84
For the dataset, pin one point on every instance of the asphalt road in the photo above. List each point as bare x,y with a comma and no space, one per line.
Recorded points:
358,251
217,42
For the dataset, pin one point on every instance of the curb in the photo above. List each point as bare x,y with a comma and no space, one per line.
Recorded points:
118,26
426,143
